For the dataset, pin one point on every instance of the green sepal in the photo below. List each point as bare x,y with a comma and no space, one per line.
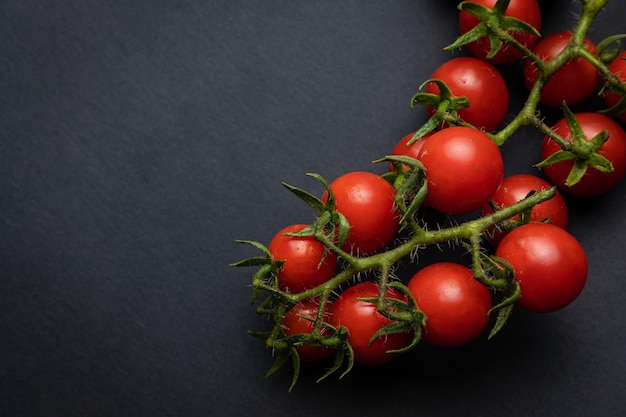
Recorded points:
491,20
575,128
445,104
401,159
283,356
583,152
259,335
576,173
305,232
337,362
524,216
306,196
257,245
395,327
322,180
254,261
600,163
256,294
511,294
281,359
431,125
512,24
405,316
618,108
503,315
558,156
510,300
343,354
477,32
343,228
295,363
410,185
495,44
424,99
604,50
500,6
315,202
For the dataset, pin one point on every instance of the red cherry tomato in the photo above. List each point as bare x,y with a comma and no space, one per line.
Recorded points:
514,189
483,86
302,255
363,320
463,169
411,150
594,182
367,202
574,82
455,304
526,10
295,323
617,67
549,263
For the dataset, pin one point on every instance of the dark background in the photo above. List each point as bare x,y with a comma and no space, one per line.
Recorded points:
140,138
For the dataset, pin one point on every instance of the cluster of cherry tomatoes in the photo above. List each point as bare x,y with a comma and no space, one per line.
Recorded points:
318,311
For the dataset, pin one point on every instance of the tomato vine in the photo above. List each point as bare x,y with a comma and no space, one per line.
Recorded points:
357,244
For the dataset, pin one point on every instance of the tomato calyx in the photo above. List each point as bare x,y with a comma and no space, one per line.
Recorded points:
613,85
620,106
404,315
609,48
445,104
409,180
494,26
497,274
286,348
580,150
331,227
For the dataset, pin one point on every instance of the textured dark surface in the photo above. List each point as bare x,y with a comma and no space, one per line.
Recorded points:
140,138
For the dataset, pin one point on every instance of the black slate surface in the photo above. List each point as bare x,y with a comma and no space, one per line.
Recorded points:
140,138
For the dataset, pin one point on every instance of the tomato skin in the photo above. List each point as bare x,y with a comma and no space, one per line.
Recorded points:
483,86
367,202
363,320
550,265
463,169
293,324
526,10
455,304
617,67
302,255
514,189
594,182
574,82
412,150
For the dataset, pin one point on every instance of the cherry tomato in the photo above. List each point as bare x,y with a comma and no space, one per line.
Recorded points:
411,150
463,169
455,304
295,323
481,83
617,67
302,255
594,182
514,189
367,202
574,82
549,263
526,10
363,320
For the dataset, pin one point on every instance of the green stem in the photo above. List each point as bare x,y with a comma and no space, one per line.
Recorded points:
383,261
527,115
